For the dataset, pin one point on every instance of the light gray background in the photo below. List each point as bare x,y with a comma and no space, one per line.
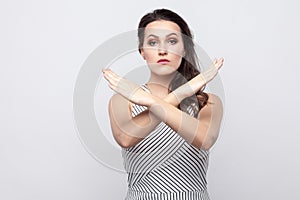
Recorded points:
44,43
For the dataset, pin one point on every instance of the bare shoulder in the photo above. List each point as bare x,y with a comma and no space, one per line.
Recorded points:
117,98
119,104
214,99
214,107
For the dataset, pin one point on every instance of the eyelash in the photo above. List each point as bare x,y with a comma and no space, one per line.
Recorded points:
172,41
151,42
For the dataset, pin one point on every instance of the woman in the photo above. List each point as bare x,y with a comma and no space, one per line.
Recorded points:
167,126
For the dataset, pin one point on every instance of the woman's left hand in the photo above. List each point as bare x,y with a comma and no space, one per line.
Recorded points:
195,84
127,88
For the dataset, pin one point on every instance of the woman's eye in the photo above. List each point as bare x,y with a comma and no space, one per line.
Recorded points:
172,41
152,43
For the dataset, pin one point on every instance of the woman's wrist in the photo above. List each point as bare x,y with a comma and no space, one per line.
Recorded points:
173,99
151,100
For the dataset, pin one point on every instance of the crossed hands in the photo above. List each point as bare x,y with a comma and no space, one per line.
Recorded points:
134,93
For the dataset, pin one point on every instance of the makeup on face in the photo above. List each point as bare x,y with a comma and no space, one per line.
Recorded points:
163,47
170,42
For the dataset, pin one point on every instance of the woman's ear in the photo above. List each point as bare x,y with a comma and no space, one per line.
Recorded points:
142,54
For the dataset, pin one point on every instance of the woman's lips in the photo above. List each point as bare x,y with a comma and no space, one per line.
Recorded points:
163,61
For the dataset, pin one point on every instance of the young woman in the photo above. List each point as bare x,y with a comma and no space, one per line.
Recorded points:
167,126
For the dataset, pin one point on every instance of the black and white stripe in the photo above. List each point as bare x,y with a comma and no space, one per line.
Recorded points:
164,166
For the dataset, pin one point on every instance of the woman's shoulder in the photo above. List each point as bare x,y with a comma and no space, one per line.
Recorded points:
117,102
117,98
214,107
212,99
213,96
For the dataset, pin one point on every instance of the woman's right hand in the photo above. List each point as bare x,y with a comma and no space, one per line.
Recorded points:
194,85
128,89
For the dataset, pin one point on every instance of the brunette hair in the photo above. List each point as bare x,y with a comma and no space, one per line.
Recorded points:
189,67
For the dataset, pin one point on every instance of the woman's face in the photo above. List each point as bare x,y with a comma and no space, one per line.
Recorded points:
163,47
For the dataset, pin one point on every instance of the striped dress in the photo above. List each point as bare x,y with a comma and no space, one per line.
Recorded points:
163,166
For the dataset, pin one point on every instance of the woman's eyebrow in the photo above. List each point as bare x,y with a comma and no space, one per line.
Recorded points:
152,35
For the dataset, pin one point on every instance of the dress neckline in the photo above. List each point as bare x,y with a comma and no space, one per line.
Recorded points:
146,88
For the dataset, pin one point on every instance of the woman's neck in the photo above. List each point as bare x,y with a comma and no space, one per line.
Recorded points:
159,85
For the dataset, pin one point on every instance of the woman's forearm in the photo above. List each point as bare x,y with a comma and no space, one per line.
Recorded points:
201,132
130,132
179,121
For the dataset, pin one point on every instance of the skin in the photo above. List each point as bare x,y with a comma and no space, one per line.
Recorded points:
162,40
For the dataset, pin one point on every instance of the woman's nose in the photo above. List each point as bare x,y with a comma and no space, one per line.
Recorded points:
162,50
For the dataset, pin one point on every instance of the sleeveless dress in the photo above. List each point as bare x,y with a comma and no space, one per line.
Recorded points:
163,166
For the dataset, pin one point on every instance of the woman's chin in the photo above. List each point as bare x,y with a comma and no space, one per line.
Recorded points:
162,70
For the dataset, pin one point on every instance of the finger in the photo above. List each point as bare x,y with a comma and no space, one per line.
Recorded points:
112,75
111,87
111,80
106,70
215,61
221,62
105,75
116,76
